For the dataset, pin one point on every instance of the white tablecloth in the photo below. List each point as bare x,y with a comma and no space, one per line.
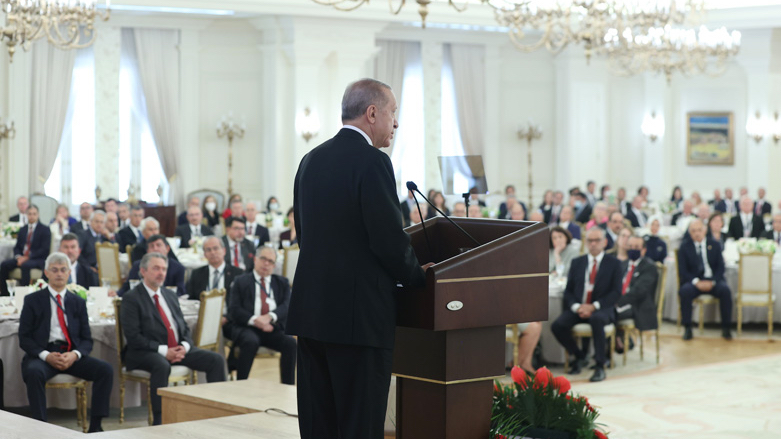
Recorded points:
6,248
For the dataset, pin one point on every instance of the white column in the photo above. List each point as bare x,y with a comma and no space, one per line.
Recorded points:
432,56
19,100
189,117
491,145
107,55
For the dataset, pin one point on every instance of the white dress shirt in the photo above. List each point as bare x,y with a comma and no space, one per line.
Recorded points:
163,348
365,136
747,219
195,230
74,266
55,330
701,247
586,284
272,304
23,218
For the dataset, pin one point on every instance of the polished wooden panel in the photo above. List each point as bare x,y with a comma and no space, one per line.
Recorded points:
165,215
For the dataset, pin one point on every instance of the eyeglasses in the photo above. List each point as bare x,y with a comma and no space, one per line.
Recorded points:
267,260
592,240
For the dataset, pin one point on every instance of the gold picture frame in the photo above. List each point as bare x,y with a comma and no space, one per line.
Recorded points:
710,138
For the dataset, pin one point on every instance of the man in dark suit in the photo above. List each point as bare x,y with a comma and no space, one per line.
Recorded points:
407,206
32,247
728,204
582,208
55,336
717,203
240,251
638,289
193,228
252,227
258,309
746,224
157,335
131,235
553,216
22,203
182,218
343,310
635,215
85,213
80,274
612,228
149,227
687,212
775,234
566,222
701,271
762,207
509,192
174,274
593,288
93,234
217,274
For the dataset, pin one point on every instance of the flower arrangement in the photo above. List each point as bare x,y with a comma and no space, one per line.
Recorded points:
11,229
196,243
668,207
541,402
73,288
753,245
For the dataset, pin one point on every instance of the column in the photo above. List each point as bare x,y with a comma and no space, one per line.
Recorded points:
107,48
189,116
432,56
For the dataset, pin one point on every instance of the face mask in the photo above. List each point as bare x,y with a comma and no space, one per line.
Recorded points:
578,204
633,255
608,194
211,206
274,206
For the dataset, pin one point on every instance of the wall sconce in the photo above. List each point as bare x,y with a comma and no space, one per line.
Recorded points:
307,124
755,127
7,131
653,126
776,128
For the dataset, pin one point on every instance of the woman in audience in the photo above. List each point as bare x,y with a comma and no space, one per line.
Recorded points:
61,223
529,337
715,226
599,216
289,234
605,194
272,206
561,252
655,247
619,250
439,200
210,214
547,201
677,196
643,192
696,199
227,212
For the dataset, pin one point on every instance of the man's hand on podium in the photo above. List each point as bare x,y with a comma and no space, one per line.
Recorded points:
425,267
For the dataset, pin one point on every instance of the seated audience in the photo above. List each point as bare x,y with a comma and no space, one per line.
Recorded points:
547,204
194,228
509,192
459,209
677,196
123,213
110,205
32,247
85,212
174,276
775,233
181,220
157,335
730,205
612,228
80,274
655,247
93,234
253,227
241,251
599,216
642,191
61,223
634,213
717,203
536,217
762,207
60,344
621,246
111,227
591,196
621,201
746,224
290,233
439,201
561,252
406,206
638,290
211,217
272,206
517,213
22,203
593,288
258,309
567,224
684,216
529,337
474,211
475,197
701,271
227,212
415,216
582,208
605,194
131,235
554,215
715,226
696,198
149,228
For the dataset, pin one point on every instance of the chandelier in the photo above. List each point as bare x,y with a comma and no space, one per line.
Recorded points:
67,24
349,5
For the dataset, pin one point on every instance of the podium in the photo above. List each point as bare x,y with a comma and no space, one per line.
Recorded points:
450,335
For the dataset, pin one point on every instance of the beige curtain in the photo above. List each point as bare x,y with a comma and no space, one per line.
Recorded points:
390,65
468,62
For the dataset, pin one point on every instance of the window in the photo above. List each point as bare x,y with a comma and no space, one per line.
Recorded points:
408,155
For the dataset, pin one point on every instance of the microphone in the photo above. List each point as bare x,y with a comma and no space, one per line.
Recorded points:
413,187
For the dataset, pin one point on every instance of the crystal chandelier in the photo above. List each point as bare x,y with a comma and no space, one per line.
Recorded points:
67,24
349,5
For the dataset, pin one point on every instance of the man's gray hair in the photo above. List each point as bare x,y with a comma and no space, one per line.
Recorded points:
57,258
147,221
149,256
206,238
136,208
600,230
360,95
96,213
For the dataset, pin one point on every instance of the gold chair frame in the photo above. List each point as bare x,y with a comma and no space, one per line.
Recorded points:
81,398
285,262
610,333
700,301
115,283
741,302
628,325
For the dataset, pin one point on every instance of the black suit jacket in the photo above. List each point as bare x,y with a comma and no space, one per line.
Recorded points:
87,243
735,230
14,218
185,233
78,227
174,276
766,208
242,299
584,215
247,253
690,265
40,242
199,280
126,237
769,234
676,217
35,322
607,286
630,215
610,242
142,325
641,293
353,247
262,233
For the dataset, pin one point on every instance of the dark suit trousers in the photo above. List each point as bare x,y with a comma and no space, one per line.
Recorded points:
562,329
250,339
197,359
7,266
342,390
36,372
689,292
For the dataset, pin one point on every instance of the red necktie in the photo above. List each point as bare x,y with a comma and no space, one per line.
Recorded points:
263,296
30,231
236,254
171,337
628,279
63,326
591,279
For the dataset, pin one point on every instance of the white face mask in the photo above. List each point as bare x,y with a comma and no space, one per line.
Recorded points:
211,206
274,206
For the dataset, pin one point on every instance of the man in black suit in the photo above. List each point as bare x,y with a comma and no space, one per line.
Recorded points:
258,309
32,247
582,208
686,213
193,228
22,203
635,215
85,212
149,227
728,204
252,227
80,273
123,214
593,288
509,192
774,234
553,216
217,274
717,203
55,336
746,224
240,252
93,234
131,235
638,289
182,219
762,207
612,228
157,335
174,274
351,259
701,271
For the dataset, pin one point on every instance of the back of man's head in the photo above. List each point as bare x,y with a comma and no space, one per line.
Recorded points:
360,95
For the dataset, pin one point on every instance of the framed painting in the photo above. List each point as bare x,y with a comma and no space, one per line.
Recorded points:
710,139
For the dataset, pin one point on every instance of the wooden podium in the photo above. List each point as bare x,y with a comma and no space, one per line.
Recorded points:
450,335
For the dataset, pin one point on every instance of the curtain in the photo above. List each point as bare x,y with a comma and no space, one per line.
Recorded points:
468,62
390,66
158,67
52,71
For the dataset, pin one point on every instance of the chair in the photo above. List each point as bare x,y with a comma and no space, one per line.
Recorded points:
583,330
178,373
291,262
511,335
129,250
47,207
65,381
209,327
628,325
35,274
755,286
202,193
701,301
108,263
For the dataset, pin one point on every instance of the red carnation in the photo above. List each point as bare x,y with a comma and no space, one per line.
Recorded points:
500,436
599,435
542,378
519,377
562,384
496,388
